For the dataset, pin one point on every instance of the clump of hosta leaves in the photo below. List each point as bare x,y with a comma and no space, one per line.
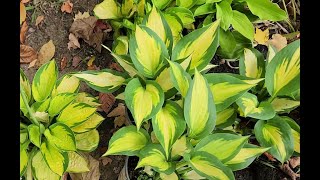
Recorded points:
56,124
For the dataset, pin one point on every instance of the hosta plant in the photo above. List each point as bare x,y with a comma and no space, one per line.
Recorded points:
56,124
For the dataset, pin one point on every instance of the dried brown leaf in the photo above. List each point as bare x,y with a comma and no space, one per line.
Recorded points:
83,28
269,156
46,53
75,61
39,20
120,110
63,63
25,1
27,54
67,7
23,31
115,66
286,169
73,42
106,100
119,121
33,63
106,160
294,162
81,15
23,13
93,67
93,174
278,41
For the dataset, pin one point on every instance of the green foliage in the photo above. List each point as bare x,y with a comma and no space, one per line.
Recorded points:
51,109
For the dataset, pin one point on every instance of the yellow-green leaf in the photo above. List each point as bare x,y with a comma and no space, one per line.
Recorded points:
77,163
179,147
180,78
59,102
192,175
186,3
107,9
40,169
67,84
282,105
121,45
24,158
93,122
226,118
34,134
87,99
172,176
41,106
24,81
175,25
61,136
163,81
242,24
127,7
252,64
161,4
184,14
295,130
87,141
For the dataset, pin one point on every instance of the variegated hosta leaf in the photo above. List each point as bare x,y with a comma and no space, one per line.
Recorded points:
24,158
55,159
275,133
23,137
179,147
224,146
61,136
208,67
141,7
252,64
35,135
107,9
40,169
161,4
127,141
180,78
201,43
209,166
184,14
271,53
199,108
175,25
295,129
245,157
41,106
87,99
87,141
121,45
250,107
143,102
168,125
44,81
246,79
67,84
157,23
165,84
59,102
224,11
93,122
172,176
226,118
105,80
186,3
283,72
226,89
24,81
147,51
154,156
191,175
127,8
41,116
75,114
284,105
77,163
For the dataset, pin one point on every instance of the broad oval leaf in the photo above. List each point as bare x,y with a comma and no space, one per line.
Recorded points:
105,80
266,10
77,163
121,45
242,24
41,106
127,141
154,156
295,129
59,102
186,3
184,14
179,147
165,84
93,122
55,159
283,71
204,9
180,78
201,43
143,102
226,89
199,108
40,169
284,105
107,9
87,99
209,166
168,125
75,114
87,141
161,4
226,118
24,158
275,133
44,81
147,51
61,136
175,25
252,64
34,134
67,84
224,11
224,146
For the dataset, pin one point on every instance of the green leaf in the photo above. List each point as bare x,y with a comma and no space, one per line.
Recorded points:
226,118
55,159
41,116
199,108
179,147
24,82
168,125
275,133
66,84
87,141
75,114
121,45
204,9
61,136
252,63
41,106
35,134
154,156
40,169
77,163
172,176
127,141
93,122
176,26
107,9
143,102
266,10
284,105
242,24
224,12
224,146
127,7
180,78
44,81
23,137
87,99
184,14
161,4
59,102
283,72
165,84
186,3
24,158
295,130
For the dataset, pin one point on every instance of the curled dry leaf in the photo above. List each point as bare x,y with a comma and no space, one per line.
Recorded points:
294,162
93,174
67,6
39,20
93,67
81,15
286,169
33,63
106,100
119,121
73,42
23,13
23,31
261,37
83,28
120,110
115,66
278,41
63,63
46,53
75,61
105,160
27,54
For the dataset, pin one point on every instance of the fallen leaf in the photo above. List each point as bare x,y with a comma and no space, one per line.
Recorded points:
101,25
95,40
63,63
67,7
39,20
93,174
106,100
119,121
27,54
24,1
294,162
115,66
33,63
73,42
278,41
81,15
269,156
90,62
23,31
23,13
83,28
46,53
261,37
93,67
75,61
120,110
286,169
105,160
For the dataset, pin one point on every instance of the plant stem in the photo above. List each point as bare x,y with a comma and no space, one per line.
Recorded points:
288,20
25,101
184,171
181,164
23,126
